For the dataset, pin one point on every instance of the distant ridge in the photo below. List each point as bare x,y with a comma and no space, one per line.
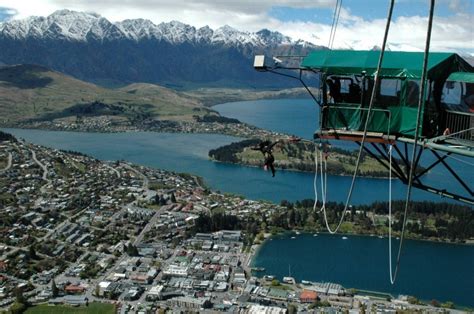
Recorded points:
92,48
34,92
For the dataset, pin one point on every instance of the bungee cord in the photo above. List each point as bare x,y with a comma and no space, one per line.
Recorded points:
366,124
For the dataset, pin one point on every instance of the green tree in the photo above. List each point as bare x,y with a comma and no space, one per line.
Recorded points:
173,198
17,308
97,291
54,288
32,252
21,303
292,309
19,297
448,305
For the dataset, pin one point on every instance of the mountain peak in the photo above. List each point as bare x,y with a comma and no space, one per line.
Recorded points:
72,25
66,12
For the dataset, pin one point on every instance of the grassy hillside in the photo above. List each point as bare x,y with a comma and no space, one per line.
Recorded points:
35,92
298,156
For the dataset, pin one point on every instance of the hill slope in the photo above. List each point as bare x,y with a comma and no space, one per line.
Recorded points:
35,92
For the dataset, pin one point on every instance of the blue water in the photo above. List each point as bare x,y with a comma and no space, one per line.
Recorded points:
428,270
291,116
188,153
301,117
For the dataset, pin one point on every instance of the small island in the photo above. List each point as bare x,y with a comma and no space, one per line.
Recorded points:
300,157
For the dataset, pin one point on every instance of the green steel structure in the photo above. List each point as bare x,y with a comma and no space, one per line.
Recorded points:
346,81
397,98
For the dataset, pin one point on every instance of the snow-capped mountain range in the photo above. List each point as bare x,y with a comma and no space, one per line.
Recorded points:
82,26
91,48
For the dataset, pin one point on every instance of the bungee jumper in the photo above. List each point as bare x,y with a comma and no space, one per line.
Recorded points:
266,148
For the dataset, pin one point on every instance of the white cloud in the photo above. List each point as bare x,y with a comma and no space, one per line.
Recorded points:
453,33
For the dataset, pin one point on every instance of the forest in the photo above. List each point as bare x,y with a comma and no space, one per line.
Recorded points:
449,222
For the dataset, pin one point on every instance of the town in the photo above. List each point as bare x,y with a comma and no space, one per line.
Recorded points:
81,232
212,124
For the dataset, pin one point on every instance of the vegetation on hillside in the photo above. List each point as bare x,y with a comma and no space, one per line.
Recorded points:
35,92
427,220
298,156
7,137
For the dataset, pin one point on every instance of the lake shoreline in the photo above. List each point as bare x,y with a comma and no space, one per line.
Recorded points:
286,236
384,237
295,170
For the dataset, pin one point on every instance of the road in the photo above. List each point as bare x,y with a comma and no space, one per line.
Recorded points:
42,166
138,173
151,223
113,169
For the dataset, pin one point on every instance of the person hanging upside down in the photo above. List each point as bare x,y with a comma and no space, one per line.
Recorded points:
266,148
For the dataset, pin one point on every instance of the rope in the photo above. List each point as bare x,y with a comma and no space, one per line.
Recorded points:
324,178
392,281
335,25
315,180
412,165
372,98
335,21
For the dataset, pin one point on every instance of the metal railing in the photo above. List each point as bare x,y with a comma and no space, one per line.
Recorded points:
460,125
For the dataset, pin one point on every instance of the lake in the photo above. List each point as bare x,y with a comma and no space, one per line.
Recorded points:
188,153
428,270
301,117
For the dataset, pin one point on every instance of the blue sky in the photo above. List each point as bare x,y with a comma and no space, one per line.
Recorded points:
5,14
361,23
369,9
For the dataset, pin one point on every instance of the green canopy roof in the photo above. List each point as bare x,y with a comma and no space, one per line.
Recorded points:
395,64
467,77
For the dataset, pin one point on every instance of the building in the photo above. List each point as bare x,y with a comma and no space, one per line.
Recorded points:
308,296
189,303
175,270
261,309
277,294
133,294
74,289
154,293
231,235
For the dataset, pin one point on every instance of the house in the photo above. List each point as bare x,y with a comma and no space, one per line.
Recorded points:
74,289
308,296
